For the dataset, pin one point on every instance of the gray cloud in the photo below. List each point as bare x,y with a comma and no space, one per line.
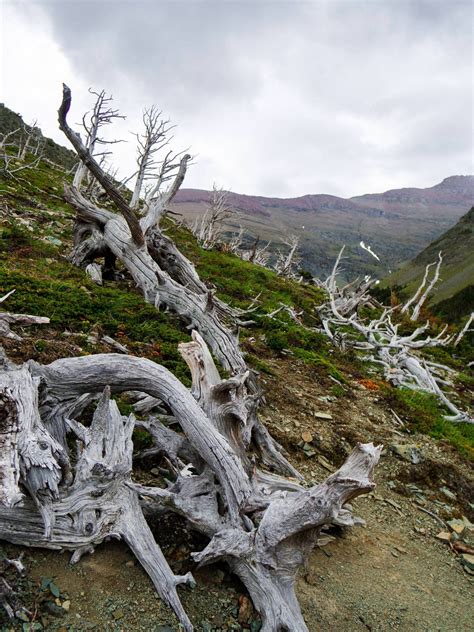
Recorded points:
288,98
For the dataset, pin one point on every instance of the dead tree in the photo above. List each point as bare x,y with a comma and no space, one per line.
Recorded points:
30,140
264,526
156,163
7,319
22,140
397,354
466,329
235,243
209,230
258,253
165,277
162,273
426,286
285,263
101,115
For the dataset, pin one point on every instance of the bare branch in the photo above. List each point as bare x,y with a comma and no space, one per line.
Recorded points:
89,161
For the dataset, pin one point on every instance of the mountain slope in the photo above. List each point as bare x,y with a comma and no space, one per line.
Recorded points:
396,224
11,121
457,271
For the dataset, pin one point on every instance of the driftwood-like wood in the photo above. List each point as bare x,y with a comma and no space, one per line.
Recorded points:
262,524
397,354
163,274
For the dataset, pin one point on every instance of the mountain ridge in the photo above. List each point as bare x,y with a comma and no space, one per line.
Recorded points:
397,223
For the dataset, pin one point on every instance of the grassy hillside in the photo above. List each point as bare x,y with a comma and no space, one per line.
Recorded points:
35,233
454,294
10,121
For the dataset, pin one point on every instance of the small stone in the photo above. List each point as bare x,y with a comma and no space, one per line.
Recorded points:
325,463
320,415
444,536
457,526
467,522
467,560
307,437
408,453
448,493
130,563
66,605
118,614
53,240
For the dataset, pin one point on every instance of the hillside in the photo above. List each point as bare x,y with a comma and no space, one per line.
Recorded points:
396,224
457,272
319,403
10,121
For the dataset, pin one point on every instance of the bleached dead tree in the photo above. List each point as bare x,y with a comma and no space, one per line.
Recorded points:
157,164
286,263
464,330
24,139
163,274
235,242
208,231
423,291
398,354
101,115
7,319
264,526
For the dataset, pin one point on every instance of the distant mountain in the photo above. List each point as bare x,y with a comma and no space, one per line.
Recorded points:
396,224
454,295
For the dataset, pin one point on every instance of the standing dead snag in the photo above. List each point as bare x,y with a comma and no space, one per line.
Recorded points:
419,298
263,525
208,231
163,274
286,263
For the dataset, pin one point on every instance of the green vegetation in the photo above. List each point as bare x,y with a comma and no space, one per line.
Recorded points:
455,309
423,414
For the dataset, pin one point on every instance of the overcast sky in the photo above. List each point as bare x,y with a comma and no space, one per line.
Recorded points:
275,98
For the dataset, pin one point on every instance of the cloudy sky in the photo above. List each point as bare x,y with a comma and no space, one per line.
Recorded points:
274,98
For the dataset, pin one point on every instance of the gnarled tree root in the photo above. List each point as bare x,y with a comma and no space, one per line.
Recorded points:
263,525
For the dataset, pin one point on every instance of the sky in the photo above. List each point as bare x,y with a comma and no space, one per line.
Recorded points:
272,97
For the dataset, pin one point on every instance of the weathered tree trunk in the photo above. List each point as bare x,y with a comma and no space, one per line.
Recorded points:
263,525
